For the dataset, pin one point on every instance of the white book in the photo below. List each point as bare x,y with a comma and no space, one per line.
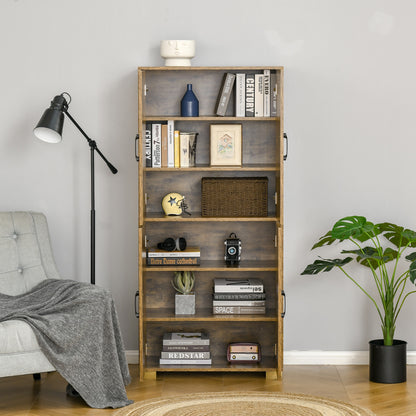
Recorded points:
185,355
171,144
266,90
240,95
156,145
185,338
166,361
222,285
238,303
258,95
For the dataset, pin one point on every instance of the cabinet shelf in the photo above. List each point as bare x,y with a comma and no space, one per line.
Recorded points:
205,315
159,217
208,168
209,118
220,266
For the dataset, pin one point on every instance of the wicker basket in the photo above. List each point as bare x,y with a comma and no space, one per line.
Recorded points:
234,197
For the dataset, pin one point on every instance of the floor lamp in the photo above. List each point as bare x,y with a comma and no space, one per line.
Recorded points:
49,129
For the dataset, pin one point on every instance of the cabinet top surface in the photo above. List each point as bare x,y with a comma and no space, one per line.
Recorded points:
207,68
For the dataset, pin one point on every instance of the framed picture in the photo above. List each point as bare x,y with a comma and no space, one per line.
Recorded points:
226,144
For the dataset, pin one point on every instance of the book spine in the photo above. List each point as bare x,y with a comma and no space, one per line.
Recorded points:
224,94
163,361
239,289
177,145
238,303
148,144
184,150
185,342
259,95
164,145
172,261
156,145
185,355
240,95
239,296
238,310
250,88
180,348
266,90
273,95
171,144
172,254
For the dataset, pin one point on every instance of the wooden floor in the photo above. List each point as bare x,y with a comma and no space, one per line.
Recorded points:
22,396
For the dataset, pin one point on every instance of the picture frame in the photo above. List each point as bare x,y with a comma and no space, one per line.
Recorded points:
226,147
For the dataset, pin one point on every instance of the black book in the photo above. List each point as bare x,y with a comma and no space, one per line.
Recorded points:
148,144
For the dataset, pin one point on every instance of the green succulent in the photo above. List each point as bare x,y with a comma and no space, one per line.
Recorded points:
370,251
183,282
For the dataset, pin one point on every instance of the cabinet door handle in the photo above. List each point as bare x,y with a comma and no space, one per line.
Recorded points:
284,303
287,146
136,297
136,142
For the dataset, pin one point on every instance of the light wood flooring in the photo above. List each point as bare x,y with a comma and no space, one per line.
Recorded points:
23,396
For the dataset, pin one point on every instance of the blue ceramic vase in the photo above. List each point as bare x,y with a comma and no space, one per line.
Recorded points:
189,103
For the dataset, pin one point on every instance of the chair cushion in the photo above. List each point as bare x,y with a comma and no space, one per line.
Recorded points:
17,337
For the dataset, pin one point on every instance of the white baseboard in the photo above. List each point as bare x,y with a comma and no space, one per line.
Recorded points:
310,357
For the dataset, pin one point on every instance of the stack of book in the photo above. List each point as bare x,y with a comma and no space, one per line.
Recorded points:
255,94
191,256
189,348
166,147
238,296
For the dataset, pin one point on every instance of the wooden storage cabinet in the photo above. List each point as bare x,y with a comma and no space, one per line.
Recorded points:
160,92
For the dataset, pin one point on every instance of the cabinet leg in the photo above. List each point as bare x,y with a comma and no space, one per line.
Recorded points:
149,375
271,375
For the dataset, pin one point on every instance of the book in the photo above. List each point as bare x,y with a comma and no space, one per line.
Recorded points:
177,150
156,145
148,144
171,144
187,355
239,296
173,261
164,361
250,83
258,95
185,338
273,95
240,95
164,145
180,348
238,310
237,285
224,94
266,92
188,252
238,303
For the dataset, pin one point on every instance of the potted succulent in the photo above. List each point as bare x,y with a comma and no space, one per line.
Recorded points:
387,355
183,282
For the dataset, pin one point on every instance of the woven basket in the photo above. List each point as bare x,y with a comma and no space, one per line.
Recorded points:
234,197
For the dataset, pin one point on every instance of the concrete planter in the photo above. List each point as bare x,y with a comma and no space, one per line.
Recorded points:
184,304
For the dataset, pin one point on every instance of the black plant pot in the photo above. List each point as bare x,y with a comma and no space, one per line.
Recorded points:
387,362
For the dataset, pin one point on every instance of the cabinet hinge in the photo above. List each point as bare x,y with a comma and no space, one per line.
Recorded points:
275,241
145,349
145,241
275,198
275,350
145,90
145,198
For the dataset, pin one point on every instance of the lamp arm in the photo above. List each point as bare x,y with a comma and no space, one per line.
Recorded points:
92,143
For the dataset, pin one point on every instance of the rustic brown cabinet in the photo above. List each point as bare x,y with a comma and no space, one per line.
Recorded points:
160,93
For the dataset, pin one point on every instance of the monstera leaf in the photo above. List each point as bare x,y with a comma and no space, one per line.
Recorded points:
412,269
397,235
354,227
325,240
325,265
370,257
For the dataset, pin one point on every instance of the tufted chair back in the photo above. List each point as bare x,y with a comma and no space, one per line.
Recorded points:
26,256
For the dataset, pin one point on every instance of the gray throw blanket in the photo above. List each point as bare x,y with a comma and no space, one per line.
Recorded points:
77,328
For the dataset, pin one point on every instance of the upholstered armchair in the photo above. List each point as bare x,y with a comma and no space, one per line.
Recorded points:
25,260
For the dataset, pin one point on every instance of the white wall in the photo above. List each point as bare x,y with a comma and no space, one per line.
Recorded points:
349,114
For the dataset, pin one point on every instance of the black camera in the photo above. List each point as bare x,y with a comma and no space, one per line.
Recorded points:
232,250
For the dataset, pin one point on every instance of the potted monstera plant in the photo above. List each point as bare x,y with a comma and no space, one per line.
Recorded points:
381,248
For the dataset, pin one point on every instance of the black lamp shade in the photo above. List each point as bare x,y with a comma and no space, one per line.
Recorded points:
49,128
